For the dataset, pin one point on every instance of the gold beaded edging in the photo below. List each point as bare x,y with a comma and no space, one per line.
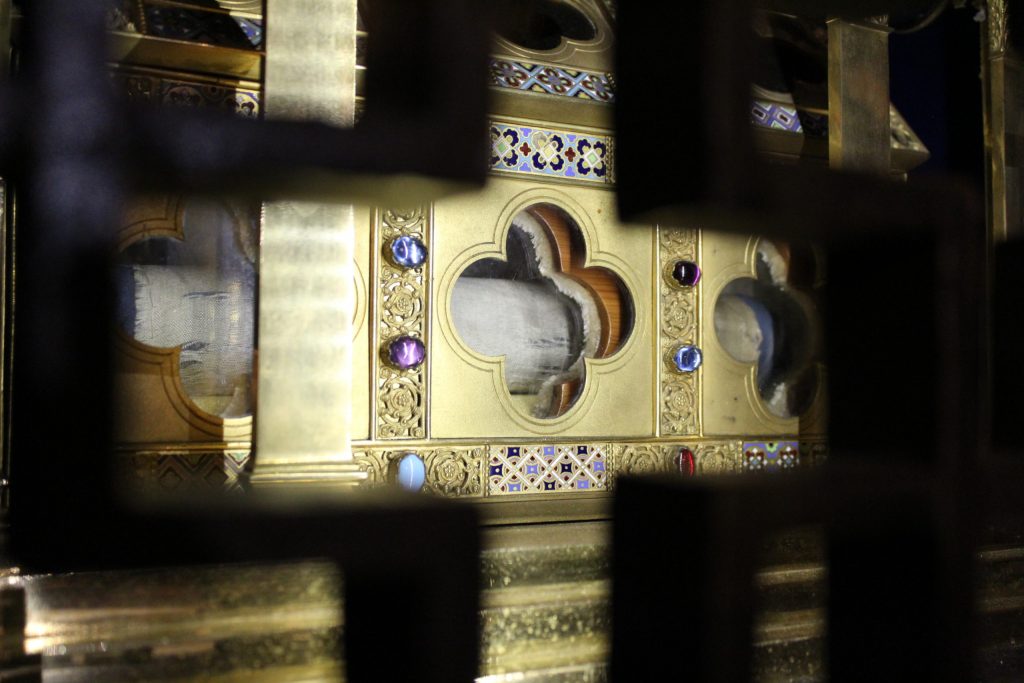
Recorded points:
401,309
680,315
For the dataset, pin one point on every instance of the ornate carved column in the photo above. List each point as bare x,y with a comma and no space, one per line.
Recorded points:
306,296
1004,126
858,96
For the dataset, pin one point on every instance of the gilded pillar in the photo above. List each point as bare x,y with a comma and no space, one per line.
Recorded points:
1004,121
307,294
858,96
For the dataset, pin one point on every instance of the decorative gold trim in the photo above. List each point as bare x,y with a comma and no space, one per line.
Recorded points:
451,472
720,457
140,50
639,459
401,309
461,471
680,406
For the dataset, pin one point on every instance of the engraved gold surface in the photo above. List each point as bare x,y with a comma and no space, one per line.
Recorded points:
719,457
680,323
401,310
469,398
307,274
544,613
451,471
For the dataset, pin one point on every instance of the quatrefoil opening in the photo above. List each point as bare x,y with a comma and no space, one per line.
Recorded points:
542,24
196,292
771,321
543,310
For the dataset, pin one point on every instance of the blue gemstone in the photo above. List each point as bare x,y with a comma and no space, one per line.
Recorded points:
412,472
408,252
688,358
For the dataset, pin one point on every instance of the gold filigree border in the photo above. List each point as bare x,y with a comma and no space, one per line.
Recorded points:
680,406
401,309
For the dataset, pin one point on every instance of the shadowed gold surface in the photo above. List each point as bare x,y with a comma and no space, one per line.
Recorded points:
307,292
544,614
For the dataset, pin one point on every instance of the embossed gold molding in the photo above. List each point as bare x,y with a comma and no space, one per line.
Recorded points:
680,324
401,309
456,472
461,471
719,457
307,297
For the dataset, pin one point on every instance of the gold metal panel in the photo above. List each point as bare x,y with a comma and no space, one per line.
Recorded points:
468,393
555,110
133,48
680,323
401,310
307,274
732,405
454,471
858,96
363,264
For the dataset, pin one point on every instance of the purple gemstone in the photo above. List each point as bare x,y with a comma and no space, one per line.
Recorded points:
406,353
686,273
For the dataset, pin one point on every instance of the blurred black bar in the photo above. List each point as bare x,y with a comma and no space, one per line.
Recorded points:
1007,340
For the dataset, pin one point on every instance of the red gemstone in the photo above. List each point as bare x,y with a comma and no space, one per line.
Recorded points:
686,462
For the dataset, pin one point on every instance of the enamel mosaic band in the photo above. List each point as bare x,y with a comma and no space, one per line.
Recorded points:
552,80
